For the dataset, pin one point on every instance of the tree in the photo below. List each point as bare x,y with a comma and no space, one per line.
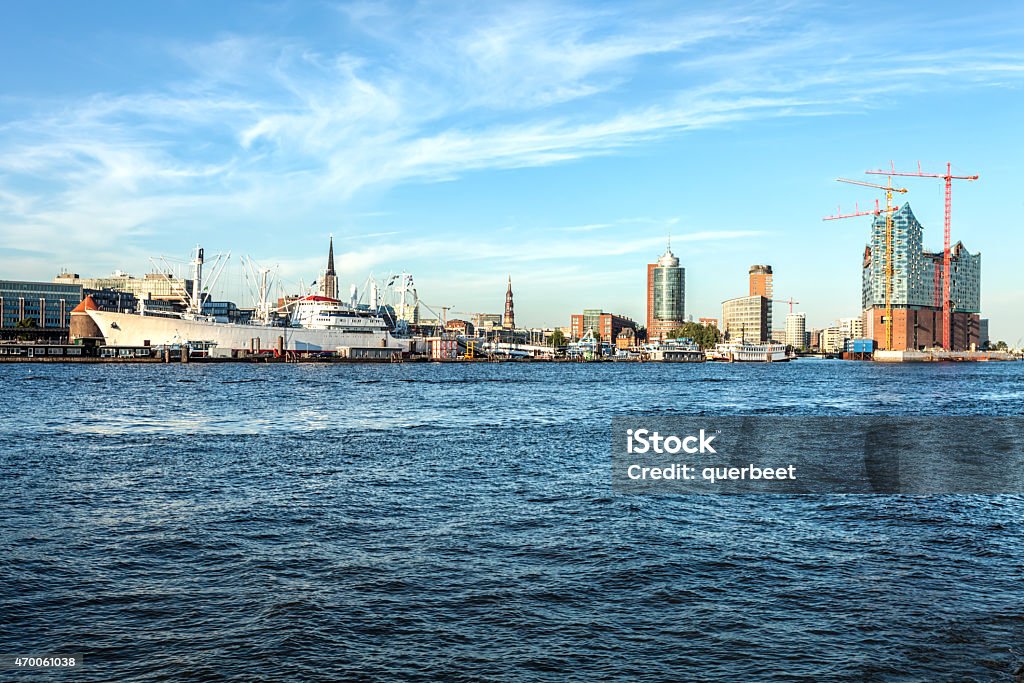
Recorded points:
704,336
557,338
1001,346
25,324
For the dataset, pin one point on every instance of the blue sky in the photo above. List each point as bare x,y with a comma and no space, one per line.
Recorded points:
558,142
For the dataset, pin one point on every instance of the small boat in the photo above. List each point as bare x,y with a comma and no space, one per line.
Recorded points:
749,352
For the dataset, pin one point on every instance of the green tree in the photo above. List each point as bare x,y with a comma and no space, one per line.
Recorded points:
704,336
24,324
557,338
1001,346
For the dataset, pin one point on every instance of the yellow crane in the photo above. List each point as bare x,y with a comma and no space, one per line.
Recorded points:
889,189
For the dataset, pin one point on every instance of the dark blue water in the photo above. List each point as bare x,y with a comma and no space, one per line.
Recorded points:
456,523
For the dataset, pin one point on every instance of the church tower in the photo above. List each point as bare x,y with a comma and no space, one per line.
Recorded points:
330,284
509,321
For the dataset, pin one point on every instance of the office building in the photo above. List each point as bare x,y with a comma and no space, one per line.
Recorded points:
608,325
156,286
44,304
796,330
666,295
747,318
761,281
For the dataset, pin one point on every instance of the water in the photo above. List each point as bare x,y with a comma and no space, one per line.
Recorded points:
456,522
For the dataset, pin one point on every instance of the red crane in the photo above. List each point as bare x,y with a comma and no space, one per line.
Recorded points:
888,211
789,301
947,303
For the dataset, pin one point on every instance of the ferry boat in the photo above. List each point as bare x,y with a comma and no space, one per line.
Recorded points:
741,351
309,323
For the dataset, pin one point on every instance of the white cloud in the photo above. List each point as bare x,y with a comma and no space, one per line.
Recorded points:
270,127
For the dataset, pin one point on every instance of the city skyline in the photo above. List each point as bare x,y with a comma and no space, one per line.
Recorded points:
559,143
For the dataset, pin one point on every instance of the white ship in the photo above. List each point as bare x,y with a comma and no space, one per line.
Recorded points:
309,323
770,352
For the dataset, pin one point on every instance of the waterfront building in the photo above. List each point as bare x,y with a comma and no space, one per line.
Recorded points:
983,338
851,328
814,339
485,322
918,287
761,281
607,325
666,295
463,327
831,340
747,318
45,304
111,300
509,320
626,339
155,286
778,336
796,330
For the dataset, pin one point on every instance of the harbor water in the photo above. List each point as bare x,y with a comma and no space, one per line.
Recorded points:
457,522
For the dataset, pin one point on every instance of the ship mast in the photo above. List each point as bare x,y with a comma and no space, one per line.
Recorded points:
196,305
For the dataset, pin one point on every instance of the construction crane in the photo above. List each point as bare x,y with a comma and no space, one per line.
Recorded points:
789,301
947,302
444,312
888,211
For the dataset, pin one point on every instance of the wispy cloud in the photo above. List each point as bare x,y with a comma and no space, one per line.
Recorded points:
268,127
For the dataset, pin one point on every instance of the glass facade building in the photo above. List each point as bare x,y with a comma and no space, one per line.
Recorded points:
46,304
917,274
666,295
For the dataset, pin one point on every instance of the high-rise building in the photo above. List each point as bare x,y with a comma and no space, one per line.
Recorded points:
761,281
329,288
666,295
747,318
983,338
796,330
917,288
509,321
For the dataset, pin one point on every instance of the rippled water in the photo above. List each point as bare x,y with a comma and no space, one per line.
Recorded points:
456,522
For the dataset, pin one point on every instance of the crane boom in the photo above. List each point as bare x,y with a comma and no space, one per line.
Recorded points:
947,303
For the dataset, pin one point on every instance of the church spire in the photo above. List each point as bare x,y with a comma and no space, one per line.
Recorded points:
330,284
509,321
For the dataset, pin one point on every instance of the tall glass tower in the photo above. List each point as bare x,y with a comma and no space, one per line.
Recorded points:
666,295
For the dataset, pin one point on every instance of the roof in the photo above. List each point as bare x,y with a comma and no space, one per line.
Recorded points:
87,305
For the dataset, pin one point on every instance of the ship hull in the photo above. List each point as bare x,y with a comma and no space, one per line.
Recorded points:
126,329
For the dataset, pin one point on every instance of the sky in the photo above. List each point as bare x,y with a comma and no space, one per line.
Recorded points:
559,143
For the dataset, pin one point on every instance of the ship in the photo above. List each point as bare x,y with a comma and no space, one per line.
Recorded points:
311,323
754,352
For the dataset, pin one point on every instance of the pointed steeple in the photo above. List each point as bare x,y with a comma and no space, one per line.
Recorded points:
330,258
509,321
330,283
